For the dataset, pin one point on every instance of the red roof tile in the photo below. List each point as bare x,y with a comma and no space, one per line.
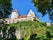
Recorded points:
22,16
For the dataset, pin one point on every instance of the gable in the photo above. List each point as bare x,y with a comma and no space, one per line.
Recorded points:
31,13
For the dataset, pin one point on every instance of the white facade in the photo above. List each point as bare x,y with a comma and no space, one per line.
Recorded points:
31,14
48,24
15,17
14,14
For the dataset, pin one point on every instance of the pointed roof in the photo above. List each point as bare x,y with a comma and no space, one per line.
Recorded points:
31,11
15,10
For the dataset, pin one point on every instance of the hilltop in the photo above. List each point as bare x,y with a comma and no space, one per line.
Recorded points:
27,28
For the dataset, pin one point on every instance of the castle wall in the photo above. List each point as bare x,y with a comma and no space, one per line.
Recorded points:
16,18
11,20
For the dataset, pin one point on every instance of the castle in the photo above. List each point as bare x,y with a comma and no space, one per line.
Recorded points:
15,17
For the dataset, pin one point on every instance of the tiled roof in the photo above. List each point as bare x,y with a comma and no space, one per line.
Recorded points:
22,16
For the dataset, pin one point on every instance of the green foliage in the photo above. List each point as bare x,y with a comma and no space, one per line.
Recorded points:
45,5
29,28
5,8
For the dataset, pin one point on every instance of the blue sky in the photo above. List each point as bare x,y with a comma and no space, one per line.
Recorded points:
23,7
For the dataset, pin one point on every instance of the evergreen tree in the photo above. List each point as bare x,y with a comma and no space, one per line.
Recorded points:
5,8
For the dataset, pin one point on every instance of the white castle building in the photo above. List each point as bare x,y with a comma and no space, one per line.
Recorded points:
15,17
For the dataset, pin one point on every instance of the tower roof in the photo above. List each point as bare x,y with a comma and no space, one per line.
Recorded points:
15,10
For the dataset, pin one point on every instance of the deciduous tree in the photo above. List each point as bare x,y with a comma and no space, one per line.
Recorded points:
44,6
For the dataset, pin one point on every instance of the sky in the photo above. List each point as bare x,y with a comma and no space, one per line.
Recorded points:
24,6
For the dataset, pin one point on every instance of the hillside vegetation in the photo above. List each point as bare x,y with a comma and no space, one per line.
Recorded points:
32,30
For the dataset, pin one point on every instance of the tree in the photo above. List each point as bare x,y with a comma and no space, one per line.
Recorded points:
5,8
44,6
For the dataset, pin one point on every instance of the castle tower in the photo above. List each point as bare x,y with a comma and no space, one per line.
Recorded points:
14,14
31,13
